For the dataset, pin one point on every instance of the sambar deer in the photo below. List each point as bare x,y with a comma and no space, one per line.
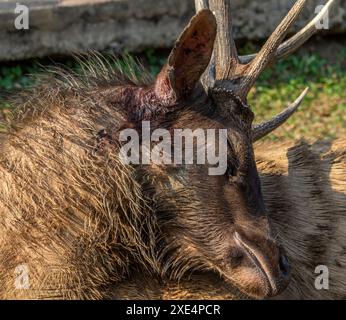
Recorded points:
304,188
76,219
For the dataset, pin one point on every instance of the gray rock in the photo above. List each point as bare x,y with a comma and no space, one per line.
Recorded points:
65,26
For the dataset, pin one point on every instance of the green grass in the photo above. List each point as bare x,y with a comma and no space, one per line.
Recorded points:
322,114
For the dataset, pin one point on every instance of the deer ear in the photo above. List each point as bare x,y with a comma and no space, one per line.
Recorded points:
189,58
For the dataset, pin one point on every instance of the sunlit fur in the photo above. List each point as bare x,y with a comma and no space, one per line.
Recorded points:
75,215
304,188
81,220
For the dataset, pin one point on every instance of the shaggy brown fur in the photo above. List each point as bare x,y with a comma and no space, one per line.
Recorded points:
74,214
81,221
304,187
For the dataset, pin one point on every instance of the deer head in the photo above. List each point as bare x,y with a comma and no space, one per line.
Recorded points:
215,222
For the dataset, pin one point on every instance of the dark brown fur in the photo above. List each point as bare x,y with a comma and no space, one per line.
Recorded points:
304,187
81,220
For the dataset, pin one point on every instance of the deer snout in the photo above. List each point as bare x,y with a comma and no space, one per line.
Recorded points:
268,259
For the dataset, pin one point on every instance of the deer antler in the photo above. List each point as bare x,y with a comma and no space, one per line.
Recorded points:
267,53
261,130
296,41
239,73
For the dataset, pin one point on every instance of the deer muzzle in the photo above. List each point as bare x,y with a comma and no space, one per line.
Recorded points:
269,260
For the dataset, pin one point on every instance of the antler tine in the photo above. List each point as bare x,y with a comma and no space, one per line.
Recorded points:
208,77
266,54
298,39
225,59
201,4
263,129
225,49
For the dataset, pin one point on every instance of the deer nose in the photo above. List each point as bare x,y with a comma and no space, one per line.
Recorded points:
269,258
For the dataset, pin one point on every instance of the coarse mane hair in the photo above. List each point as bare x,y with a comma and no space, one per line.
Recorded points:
94,72
97,216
